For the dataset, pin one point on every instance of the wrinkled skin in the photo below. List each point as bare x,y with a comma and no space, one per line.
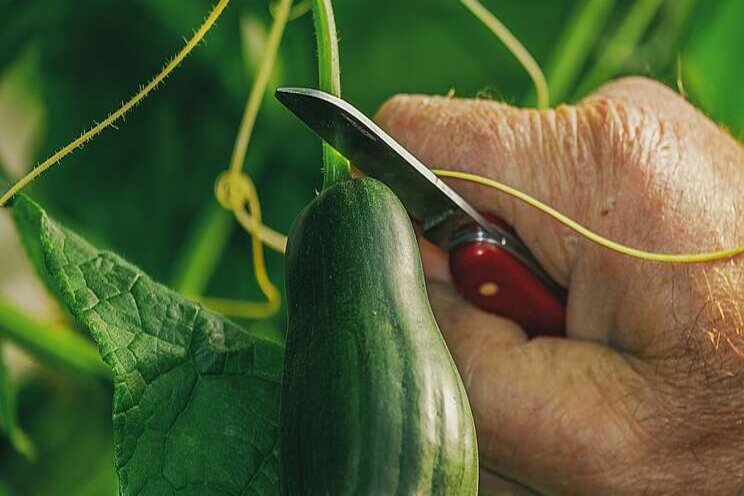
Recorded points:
647,394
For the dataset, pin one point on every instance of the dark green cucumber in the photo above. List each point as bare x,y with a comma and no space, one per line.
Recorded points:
372,402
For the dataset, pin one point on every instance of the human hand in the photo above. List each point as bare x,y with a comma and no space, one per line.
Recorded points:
646,396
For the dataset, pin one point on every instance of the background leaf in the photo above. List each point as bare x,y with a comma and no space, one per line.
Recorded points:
74,443
714,64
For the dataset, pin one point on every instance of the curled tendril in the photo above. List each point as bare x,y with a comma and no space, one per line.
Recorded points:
236,192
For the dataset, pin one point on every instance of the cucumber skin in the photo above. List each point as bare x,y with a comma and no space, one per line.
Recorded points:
371,400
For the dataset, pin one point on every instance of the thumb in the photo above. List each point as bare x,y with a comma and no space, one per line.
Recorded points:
558,416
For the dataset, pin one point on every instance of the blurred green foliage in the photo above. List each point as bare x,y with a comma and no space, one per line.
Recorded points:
714,65
142,189
70,424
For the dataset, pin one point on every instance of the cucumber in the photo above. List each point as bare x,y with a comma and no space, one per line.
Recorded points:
371,400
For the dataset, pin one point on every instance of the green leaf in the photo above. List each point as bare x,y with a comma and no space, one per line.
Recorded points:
22,20
8,416
195,397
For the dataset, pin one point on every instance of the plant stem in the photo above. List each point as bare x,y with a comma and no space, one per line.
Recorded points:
515,47
203,250
211,233
663,44
575,44
335,167
119,114
678,258
4,186
260,85
54,344
621,45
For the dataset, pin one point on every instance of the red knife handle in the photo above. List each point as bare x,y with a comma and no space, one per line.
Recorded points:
495,281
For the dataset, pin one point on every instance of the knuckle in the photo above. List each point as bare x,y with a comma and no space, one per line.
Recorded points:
636,87
635,147
394,111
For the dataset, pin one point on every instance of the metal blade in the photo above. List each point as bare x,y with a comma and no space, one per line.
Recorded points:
444,214
427,198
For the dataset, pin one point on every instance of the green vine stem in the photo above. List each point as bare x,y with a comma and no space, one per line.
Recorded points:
517,49
621,45
663,43
144,92
203,249
209,237
335,167
574,46
51,344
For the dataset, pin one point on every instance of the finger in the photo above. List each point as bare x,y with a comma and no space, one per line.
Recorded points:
491,484
673,112
623,164
549,413
545,154
435,261
618,152
542,154
464,325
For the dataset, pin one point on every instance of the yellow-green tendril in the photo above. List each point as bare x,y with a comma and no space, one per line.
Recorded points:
281,17
236,192
515,47
588,234
133,102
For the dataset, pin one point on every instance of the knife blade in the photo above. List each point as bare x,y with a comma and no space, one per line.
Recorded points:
442,212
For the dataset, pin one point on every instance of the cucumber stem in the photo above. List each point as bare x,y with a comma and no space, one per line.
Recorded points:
335,167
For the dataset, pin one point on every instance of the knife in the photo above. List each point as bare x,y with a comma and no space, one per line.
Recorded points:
491,267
